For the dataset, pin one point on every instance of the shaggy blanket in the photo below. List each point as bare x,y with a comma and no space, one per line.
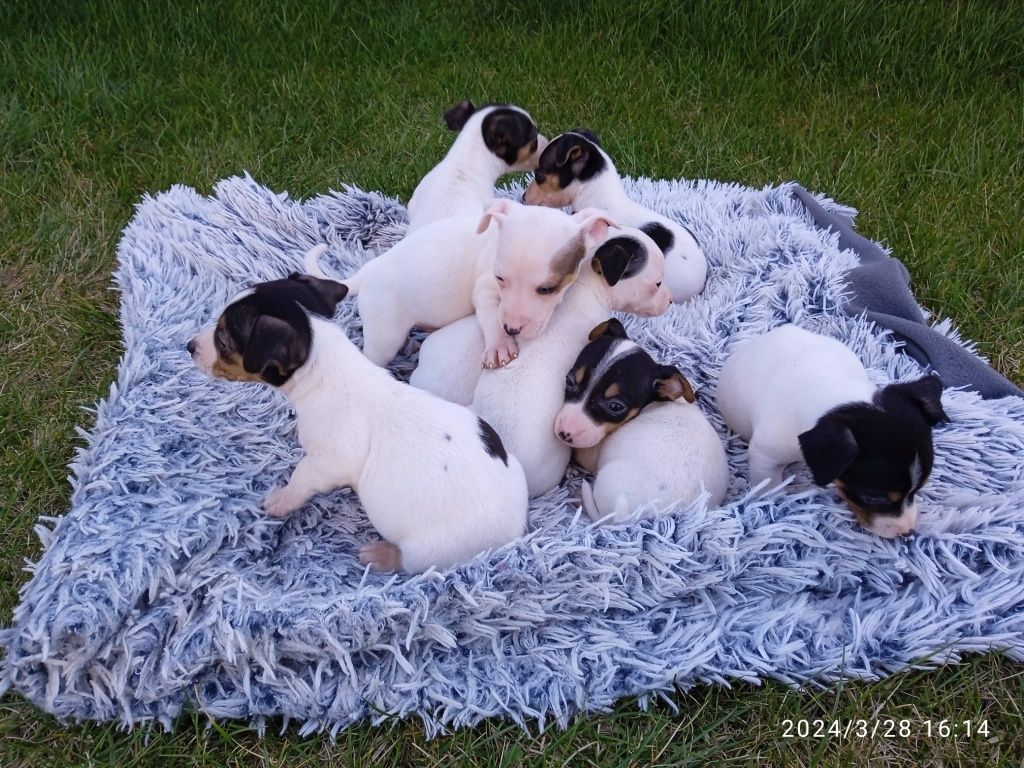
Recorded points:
164,589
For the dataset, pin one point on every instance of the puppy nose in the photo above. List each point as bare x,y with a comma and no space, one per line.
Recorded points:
907,534
512,331
565,436
191,347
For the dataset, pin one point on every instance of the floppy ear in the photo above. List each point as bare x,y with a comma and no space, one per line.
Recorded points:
331,290
498,210
611,328
274,349
456,117
594,228
828,448
619,258
926,394
670,384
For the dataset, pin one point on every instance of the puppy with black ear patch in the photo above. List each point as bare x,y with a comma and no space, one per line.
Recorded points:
434,478
634,424
573,170
795,395
492,140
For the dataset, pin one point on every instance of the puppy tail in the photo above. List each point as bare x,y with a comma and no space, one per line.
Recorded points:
311,261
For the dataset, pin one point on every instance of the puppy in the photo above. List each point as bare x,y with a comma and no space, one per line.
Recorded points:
509,267
792,395
574,171
633,267
622,414
522,399
435,480
492,140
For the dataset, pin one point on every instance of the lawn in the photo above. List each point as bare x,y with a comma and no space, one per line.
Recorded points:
913,113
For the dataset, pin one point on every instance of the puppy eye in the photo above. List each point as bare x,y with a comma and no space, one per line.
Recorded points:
876,500
500,279
547,290
615,407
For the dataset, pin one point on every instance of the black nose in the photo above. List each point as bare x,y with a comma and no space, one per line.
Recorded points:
512,331
565,436
191,347
907,534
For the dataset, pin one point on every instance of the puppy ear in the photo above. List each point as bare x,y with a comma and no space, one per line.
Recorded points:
670,384
611,328
828,448
456,117
619,258
274,349
926,394
331,290
594,228
498,210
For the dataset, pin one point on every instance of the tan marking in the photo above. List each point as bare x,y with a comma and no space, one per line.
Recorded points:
580,373
863,516
566,260
598,331
894,496
231,368
612,391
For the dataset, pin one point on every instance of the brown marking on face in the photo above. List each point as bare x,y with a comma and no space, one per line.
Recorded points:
565,262
894,496
228,363
865,518
613,390
550,183
525,151
579,373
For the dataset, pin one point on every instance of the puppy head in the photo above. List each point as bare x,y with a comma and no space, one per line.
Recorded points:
566,164
633,266
264,334
507,131
538,257
611,381
879,454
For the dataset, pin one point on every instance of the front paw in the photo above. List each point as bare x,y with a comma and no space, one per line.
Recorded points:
280,502
500,354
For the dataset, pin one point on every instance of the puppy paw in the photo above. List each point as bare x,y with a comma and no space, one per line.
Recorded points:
280,502
501,354
381,555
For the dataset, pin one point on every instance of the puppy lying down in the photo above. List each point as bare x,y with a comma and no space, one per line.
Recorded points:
435,480
634,424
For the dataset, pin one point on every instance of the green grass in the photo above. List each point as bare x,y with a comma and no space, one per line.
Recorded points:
913,113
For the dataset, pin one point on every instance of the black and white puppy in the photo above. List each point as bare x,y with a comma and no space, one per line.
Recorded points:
492,140
434,479
573,170
795,395
633,423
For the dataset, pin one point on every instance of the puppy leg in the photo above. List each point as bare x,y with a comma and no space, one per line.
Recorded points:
499,348
306,481
381,555
384,329
764,464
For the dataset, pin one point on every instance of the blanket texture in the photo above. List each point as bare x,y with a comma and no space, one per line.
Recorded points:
164,589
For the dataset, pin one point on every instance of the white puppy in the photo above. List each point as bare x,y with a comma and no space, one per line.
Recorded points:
434,478
448,358
521,400
797,396
492,140
449,270
624,417
574,171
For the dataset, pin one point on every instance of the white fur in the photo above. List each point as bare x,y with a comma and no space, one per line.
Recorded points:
668,454
448,359
686,266
463,182
439,501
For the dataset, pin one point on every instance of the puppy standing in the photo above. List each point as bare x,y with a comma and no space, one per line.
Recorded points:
434,479
522,399
448,359
795,395
446,271
645,446
574,171
492,141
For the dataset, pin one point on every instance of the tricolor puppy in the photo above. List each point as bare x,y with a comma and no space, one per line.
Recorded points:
634,425
795,395
521,400
574,171
632,266
492,140
434,479
509,267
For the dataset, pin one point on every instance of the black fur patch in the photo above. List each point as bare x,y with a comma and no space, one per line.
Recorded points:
660,234
554,160
506,131
492,442
620,258
456,117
